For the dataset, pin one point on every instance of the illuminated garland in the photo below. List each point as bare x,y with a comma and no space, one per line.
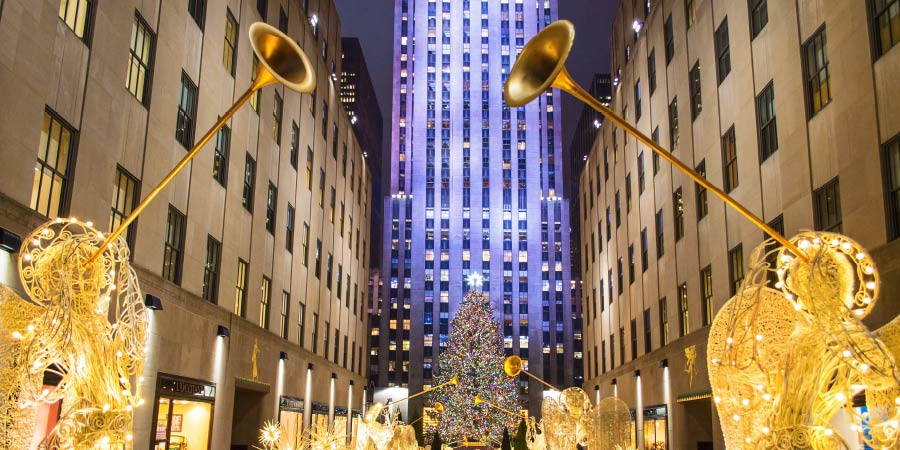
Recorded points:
475,353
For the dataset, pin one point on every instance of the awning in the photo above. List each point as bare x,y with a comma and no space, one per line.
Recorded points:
694,395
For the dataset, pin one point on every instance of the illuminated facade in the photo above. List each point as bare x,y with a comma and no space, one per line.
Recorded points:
476,187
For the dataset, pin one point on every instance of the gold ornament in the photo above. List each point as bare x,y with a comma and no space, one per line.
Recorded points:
690,360
785,359
84,323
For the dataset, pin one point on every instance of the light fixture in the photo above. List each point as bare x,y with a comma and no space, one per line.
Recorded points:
664,363
153,302
613,381
353,120
310,366
9,241
333,376
637,373
222,331
636,26
283,356
351,382
597,388
597,123
314,19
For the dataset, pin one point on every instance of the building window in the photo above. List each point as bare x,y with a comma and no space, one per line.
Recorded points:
282,20
777,224
304,244
696,98
818,86
325,121
77,16
660,236
735,269
271,204
126,192
322,188
240,291
651,70
678,209
289,229
707,294
663,322
634,339
729,161
827,207
140,60
723,51
765,122
885,24
262,6
318,268
315,333
631,264
301,325
276,118
673,125
620,277
612,350
254,72
637,100
618,210
759,16
628,193
690,12
265,301
229,50
249,183
52,172
211,269
329,270
285,313
220,159
684,323
621,346
645,256
891,158
640,164
669,36
701,192
309,167
331,205
197,9
648,342
187,112
174,248
295,144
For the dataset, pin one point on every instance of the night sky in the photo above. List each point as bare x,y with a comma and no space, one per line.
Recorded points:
372,22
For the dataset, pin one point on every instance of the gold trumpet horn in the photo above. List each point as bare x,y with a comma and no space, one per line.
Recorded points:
479,400
541,66
512,366
438,407
454,380
281,60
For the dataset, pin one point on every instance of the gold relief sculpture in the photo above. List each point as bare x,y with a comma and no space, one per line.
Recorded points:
785,359
690,366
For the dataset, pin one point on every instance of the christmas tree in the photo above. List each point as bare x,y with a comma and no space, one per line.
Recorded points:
475,354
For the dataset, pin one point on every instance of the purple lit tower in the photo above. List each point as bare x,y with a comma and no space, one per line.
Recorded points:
476,187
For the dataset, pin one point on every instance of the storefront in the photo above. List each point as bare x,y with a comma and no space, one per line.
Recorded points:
290,415
655,427
355,417
319,418
340,418
183,411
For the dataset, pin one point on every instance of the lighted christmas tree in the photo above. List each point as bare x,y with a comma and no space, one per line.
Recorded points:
475,354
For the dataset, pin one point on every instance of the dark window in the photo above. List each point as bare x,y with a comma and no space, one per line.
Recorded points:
211,269
322,188
309,167
634,339
318,270
229,50
669,36
304,249
723,51
315,333
329,270
644,251
885,24
240,289
701,192
140,61
282,20
262,6
777,224
289,228
827,207
197,9
249,183
174,248
630,263
618,210
295,144
621,345
264,302
640,164
637,100
651,70
690,12
729,161
678,210
660,235
187,112
126,192
271,201
301,325
648,343
220,158
696,97
673,125
759,16
325,122
735,269
276,118
628,192
620,277
706,294
285,313
612,350
765,122
77,16
818,85
254,71
663,322
684,323
892,185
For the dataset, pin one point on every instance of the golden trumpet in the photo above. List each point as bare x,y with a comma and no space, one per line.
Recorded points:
281,60
454,380
438,407
512,366
541,66
479,401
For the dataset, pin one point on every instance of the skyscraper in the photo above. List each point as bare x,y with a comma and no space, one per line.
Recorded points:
476,187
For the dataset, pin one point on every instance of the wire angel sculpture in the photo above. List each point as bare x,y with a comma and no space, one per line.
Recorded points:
790,351
84,323
391,433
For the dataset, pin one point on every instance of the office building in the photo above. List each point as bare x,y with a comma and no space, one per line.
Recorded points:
258,251
787,106
476,187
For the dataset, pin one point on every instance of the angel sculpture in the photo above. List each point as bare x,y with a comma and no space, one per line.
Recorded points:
784,360
567,420
85,323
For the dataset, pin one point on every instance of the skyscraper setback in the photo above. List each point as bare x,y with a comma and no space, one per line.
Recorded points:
476,187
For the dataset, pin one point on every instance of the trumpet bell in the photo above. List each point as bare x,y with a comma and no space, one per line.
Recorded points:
281,58
512,366
438,407
537,67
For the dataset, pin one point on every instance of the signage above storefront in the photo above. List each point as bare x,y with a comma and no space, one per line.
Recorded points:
179,387
294,404
340,411
319,408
